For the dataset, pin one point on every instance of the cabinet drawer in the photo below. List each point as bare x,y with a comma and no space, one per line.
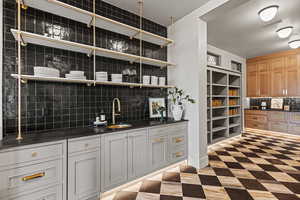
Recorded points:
179,139
30,154
294,129
83,144
295,117
255,112
277,116
54,193
278,127
172,129
258,118
177,154
25,179
256,125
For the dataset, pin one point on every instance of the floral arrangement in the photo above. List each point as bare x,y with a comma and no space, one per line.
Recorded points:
178,97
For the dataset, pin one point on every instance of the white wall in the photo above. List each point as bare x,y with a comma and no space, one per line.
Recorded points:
1,66
189,55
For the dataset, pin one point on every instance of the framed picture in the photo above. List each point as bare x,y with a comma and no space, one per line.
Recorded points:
154,104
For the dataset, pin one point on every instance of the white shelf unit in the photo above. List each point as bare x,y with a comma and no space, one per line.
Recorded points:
68,11
37,39
221,124
26,78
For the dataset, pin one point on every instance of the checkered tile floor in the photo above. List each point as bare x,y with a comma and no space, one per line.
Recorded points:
255,166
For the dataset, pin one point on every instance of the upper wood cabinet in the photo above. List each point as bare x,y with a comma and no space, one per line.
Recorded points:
275,75
277,69
292,73
264,79
252,80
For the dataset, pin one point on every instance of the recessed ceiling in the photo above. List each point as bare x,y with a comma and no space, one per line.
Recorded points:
160,11
241,31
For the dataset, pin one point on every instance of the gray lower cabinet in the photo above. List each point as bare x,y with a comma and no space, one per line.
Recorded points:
84,168
158,150
138,159
114,160
33,172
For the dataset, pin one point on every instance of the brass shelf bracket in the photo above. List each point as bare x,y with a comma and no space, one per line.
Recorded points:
24,81
23,6
23,43
90,54
91,22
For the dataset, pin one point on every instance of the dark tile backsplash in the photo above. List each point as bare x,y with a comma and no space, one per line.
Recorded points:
58,105
294,103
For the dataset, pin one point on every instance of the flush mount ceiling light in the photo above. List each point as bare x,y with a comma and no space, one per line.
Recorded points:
284,32
294,41
268,13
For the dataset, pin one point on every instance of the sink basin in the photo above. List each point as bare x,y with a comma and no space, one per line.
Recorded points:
119,126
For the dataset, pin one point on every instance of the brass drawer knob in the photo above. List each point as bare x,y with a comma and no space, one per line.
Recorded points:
34,176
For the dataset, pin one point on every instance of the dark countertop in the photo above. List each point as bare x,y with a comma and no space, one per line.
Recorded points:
70,133
272,110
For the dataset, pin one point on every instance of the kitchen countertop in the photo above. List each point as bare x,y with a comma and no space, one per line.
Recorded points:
272,110
70,133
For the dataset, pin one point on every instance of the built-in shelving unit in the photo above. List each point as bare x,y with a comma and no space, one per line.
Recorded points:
224,104
68,11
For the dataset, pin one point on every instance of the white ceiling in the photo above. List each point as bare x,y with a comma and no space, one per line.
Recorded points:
160,11
240,30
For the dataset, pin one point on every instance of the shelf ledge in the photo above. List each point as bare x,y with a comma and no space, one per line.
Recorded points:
26,78
37,39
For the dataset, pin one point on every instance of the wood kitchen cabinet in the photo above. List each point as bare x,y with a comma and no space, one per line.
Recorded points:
275,75
252,80
277,70
264,79
292,73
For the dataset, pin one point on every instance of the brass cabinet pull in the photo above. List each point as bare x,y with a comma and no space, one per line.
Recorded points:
34,154
157,140
178,154
178,140
34,176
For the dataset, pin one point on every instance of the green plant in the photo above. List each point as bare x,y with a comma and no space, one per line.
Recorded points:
178,96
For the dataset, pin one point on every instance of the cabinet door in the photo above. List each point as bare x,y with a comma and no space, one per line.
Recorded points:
277,68
84,176
115,160
264,79
292,73
158,151
252,80
138,154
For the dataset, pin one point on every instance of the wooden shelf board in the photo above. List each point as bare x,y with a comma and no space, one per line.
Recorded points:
219,85
234,125
235,115
219,128
86,49
68,11
219,118
88,82
219,107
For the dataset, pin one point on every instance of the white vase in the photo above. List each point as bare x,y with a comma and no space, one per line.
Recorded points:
177,111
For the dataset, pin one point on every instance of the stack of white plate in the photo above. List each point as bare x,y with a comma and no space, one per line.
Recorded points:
162,81
154,80
46,72
76,75
101,76
146,80
116,78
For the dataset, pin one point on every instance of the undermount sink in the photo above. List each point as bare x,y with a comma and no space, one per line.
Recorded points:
119,126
